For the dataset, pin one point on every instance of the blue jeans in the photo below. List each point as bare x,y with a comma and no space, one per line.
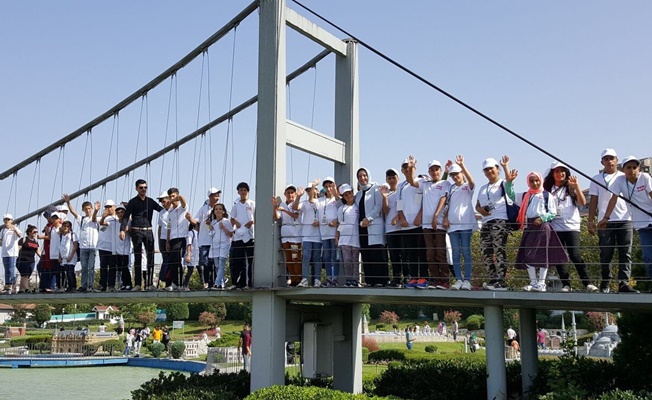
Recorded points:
220,265
645,236
87,260
329,257
311,254
461,246
10,269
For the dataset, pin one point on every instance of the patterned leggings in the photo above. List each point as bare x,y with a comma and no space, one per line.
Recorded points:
493,244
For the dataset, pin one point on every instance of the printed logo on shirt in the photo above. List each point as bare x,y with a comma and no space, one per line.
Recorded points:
641,188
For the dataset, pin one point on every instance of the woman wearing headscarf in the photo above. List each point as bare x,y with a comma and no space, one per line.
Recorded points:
566,192
540,247
371,229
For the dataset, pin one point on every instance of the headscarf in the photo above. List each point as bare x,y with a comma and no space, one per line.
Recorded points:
526,199
369,183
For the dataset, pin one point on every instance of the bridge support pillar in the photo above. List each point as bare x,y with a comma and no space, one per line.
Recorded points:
529,352
495,344
347,351
268,345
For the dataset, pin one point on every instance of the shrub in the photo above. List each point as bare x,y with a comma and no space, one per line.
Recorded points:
177,382
370,344
227,340
177,312
389,317
208,319
177,348
387,355
380,327
113,346
634,351
431,349
195,394
451,316
156,349
576,377
474,322
42,313
365,355
303,393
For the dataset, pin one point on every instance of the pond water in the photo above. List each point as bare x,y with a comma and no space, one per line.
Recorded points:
73,383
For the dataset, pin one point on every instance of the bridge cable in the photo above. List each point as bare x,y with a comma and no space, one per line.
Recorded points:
167,127
108,161
229,125
196,161
460,102
31,192
56,173
208,154
312,116
289,105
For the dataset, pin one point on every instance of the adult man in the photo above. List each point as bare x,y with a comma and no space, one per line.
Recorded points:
244,343
242,248
327,216
141,209
88,232
176,239
310,233
201,220
617,232
290,234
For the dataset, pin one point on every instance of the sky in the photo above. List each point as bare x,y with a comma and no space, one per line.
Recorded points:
572,77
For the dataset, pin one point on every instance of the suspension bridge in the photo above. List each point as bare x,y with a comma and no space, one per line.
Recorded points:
130,151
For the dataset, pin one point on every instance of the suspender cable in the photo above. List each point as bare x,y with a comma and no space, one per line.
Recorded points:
56,172
208,155
196,161
176,125
167,128
63,166
81,172
289,106
31,192
11,191
230,124
460,102
312,115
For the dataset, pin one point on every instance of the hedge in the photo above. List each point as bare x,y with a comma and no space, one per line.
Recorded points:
177,348
304,393
179,384
30,340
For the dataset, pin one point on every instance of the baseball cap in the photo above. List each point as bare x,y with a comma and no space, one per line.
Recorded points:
631,158
328,179
211,191
109,203
608,152
435,163
391,172
489,162
290,186
120,207
345,188
455,169
7,216
558,164
406,161
163,195
63,207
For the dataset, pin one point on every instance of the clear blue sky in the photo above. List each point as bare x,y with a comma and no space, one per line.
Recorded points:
574,77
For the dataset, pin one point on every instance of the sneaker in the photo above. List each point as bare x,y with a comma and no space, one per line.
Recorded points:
126,288
411,283
466,285
421,284
81,289
566,289
289,282
316,283
303,283
528,288
592,288
539,287
168,288
625,288
185,289
604,287
356,284
232,287
395,284
497,286
457,285
443,286
136,288
153,287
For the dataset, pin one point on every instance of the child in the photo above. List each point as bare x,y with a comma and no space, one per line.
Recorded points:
347,237
88,231
191,258
122,249
540,247
52,235
106,247
29,248
222,231
67,255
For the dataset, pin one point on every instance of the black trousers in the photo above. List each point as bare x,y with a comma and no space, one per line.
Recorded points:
175,269
241,263
140,238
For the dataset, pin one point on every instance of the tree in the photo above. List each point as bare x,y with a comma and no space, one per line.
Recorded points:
208,319
389,318
451,316
220,312
19,314
634,352
177,312
147,317
131,311
42,313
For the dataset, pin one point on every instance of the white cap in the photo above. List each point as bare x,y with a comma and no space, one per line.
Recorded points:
120,207
489,163
290,186
631,158
109,203
211,191
7,216
56,215
328,179
345,188
435,163
608,152
454,169
406,161
558,164
309,185
163,195
63,207
393,170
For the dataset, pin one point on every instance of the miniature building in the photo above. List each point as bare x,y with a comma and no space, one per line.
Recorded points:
78,341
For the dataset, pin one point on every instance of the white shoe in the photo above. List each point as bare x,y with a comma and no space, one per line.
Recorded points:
457,285
539,287
592,288
316,283
566,289
528,288
135,288
303,283
289,282
466,285
168,288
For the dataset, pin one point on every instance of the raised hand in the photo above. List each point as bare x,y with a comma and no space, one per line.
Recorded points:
504,161
301,191
384,190
459,160
98,205
572,182
411,161
65,197
274,202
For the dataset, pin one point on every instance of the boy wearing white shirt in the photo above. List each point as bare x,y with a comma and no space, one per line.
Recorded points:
310,234
202,221
242,248
67,254
176,240
617,233
327,215
290,234
9,236
88,231
106,246
122,248
162,236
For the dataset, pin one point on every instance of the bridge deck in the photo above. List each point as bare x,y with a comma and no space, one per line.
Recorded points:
479,298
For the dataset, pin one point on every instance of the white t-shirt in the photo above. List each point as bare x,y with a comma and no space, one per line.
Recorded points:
120,247
491,194
192,240
88,231
639,194
461,214
55,241
204,236
432,193
327,212
348,216
568,215
65,247
290,227
392,200
221,242
106,235
307,214
243,213
536,206
409,202
164,223
9,242
178,222
620,212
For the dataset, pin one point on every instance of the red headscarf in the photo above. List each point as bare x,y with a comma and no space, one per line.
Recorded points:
526,199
